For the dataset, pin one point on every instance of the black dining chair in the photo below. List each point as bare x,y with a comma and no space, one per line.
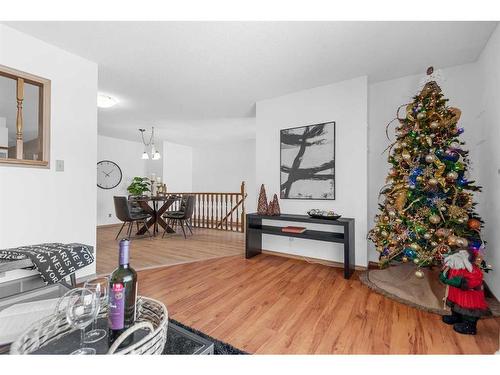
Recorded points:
124,213
182,217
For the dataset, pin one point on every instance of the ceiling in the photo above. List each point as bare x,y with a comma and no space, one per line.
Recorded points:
199,81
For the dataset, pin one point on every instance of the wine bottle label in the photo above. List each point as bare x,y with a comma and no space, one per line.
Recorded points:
116,314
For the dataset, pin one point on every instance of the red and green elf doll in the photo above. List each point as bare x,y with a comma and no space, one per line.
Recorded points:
465,294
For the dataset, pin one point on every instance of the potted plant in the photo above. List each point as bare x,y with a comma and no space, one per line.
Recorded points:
139,186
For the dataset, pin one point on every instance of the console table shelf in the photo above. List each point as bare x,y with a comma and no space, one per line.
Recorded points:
255,230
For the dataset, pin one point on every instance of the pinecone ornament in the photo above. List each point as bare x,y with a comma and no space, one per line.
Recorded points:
262,205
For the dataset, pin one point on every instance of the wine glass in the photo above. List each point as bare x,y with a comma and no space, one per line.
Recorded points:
80,312
100,288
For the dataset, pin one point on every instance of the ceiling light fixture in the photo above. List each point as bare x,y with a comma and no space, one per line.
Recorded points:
155,155
105,101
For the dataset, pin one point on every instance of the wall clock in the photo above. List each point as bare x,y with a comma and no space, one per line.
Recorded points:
109,174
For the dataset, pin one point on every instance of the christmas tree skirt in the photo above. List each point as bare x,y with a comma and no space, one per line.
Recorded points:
400,283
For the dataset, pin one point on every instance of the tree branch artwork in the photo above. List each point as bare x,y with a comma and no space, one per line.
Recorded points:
308,162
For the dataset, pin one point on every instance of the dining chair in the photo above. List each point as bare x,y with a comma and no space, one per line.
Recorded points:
124,213
182,217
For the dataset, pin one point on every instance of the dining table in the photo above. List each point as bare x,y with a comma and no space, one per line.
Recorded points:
156,206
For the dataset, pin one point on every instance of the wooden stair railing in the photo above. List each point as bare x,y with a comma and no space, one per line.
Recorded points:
214,210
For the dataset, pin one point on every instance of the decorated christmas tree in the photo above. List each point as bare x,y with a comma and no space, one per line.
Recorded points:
427,209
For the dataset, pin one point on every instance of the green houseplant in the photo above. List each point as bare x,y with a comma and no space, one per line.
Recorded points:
139,186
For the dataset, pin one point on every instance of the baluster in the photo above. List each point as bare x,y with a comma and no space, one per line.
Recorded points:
216,207
205,199
199,212
226,211
231,226
212,210
237,215
202,210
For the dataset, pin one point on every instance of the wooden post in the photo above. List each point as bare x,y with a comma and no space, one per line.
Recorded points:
19,119
243,194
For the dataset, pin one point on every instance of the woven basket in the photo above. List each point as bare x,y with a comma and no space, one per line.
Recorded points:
151,315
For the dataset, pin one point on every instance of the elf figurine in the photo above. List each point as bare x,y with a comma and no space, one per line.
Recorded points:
465,292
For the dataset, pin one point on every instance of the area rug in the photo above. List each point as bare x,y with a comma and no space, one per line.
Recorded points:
400,283
220,347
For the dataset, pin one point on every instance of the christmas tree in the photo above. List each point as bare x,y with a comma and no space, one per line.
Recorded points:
427,210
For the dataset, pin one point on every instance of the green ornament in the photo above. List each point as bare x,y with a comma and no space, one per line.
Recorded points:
413,134
458,166
420,229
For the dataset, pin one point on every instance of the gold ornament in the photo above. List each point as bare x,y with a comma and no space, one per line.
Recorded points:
452,240
404,259
427,236
434,125
416,260
419,274
433,182
415,246
433,244
452,176
443,232
384,233
434,219
421,115
462,242
430,158
406,155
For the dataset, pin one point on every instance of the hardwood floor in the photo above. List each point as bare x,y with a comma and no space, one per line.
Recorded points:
273,305
173,249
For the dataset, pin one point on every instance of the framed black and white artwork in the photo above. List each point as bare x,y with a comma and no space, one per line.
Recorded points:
307,162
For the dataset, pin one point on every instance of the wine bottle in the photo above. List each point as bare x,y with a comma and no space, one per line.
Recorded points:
122,296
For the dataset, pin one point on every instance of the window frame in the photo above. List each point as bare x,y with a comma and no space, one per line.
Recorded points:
43,116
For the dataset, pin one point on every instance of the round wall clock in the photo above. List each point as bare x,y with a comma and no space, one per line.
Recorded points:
109,174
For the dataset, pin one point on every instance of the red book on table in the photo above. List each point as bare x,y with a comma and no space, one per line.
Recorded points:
291,229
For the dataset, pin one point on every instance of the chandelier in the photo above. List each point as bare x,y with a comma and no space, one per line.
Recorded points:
155,155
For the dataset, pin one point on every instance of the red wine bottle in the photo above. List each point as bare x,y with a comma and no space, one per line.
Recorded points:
122,296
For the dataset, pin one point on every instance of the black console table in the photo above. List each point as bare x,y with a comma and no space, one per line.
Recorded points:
255,230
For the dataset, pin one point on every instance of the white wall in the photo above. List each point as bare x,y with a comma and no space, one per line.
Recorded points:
177,167
127,155
42,205
346,104
489,75
460,84
221,167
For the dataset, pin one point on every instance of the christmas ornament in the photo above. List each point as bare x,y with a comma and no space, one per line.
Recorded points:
443,232
452,240
434,125
433,182
430,158
419,274
406,155
462,242
474,224
475,244
452,176
451,155
404,259
434,219
414,246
